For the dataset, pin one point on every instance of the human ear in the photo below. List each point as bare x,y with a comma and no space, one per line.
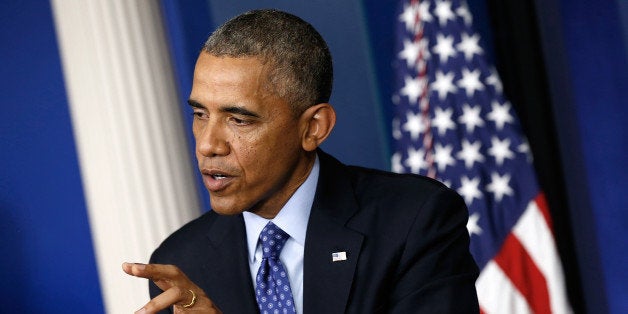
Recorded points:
317,123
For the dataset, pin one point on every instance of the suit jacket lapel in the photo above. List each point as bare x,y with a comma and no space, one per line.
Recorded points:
327,283
229,279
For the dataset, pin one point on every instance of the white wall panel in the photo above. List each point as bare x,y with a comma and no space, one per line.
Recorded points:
135,165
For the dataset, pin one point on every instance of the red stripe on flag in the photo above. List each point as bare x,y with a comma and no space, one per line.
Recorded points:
482,311
514,260
541,202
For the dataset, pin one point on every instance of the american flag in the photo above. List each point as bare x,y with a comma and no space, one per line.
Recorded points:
451,122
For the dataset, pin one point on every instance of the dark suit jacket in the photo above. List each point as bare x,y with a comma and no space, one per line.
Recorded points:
405,236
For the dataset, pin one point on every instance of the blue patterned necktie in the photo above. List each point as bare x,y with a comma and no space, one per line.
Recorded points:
272,288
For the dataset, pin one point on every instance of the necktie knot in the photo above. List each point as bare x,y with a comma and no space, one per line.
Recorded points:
272,239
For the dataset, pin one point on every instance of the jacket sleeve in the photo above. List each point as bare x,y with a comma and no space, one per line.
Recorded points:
437,272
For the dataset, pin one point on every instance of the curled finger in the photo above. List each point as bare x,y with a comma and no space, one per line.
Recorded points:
172,296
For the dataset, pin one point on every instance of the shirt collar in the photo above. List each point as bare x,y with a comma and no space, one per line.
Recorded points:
292,218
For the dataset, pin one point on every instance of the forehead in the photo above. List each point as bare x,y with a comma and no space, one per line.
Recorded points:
245,76
226,81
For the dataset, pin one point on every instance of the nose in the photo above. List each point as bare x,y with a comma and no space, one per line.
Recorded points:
211,140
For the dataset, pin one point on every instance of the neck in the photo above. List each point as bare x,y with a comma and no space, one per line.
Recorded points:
269,208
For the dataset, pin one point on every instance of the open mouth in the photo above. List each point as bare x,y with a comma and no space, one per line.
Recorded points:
216,180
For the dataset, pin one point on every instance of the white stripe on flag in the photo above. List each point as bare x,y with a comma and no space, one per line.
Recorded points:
496,293
536,237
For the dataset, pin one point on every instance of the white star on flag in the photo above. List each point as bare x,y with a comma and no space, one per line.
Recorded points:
524,148
410,52
412,89
442,156
470,81
396,163
415,159
444,47
414,124
500,150
464,13
499,186
396,129
424,11
443,12
472,224
500,114
471,117
469,45
470,153
408,17
442,120
494,81
469,189
444,84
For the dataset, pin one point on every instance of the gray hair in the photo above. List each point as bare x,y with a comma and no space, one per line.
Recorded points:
301,66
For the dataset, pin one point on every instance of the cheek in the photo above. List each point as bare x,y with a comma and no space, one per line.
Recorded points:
260,154
245,150
267,149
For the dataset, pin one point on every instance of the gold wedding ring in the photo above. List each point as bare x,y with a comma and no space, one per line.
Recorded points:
191,302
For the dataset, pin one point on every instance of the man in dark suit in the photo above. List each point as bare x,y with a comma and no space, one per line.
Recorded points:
348,239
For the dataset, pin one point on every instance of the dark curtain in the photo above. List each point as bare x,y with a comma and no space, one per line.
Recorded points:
520,61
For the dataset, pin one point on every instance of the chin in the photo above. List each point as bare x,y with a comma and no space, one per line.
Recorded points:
224,208
225,211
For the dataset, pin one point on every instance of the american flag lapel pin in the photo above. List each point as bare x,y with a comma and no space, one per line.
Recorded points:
338,256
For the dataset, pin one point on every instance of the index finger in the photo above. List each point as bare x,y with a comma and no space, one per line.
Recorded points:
164,276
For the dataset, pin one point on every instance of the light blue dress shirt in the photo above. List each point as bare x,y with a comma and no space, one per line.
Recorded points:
292,218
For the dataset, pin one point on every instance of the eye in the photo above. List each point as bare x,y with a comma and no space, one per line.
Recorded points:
239,121
198,114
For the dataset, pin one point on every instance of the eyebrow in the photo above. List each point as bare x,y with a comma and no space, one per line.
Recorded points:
239,111
229,109
195,104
